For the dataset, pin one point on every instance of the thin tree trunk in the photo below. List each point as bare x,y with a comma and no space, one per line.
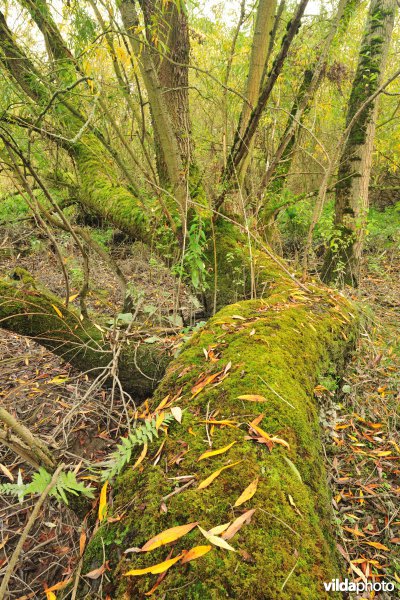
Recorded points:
264,22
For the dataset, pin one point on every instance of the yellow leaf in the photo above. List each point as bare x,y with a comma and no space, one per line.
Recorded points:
160,419
248,493
50,595
356,532
215,540
167,536
378,546
228,422
141,457
277,440
194,553
219,529
73,297
58,311
210,453
155,569
206,482
252,398
59,586
103,502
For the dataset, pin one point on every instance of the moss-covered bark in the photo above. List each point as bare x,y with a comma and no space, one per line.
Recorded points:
343,259
28,309
278,348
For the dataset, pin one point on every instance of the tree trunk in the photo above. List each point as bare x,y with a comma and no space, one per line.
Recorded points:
167,22
278,348
343,259
264,22
29,310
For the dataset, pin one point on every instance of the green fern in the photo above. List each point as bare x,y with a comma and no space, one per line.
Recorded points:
142,434
66,484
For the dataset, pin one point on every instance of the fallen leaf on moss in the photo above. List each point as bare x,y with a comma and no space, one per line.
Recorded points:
238,524
215,540
206,482
155,569
219,529
103,502
252,398
247,493
176,412
210,453
195,553
227,422
200,385
167,536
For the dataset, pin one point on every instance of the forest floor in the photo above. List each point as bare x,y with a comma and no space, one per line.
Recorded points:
81,425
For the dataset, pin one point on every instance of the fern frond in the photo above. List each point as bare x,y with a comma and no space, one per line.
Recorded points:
142,434
66,484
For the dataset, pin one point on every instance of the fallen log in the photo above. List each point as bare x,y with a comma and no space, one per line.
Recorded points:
29,309
274,350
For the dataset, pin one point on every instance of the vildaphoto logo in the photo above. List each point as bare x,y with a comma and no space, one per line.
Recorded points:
350,586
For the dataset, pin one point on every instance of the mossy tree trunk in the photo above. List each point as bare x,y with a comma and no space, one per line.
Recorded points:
343,259
277,348
28,309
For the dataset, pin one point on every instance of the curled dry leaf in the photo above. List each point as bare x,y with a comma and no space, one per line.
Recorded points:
206,482
247,493
155,569
238,524
167,536
96,573
194,553
210,453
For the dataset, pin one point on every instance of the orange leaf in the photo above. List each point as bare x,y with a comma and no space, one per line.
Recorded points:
155,569
82,542
206,482
210,453
237,524
200,385
247,493
194,553
167,536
